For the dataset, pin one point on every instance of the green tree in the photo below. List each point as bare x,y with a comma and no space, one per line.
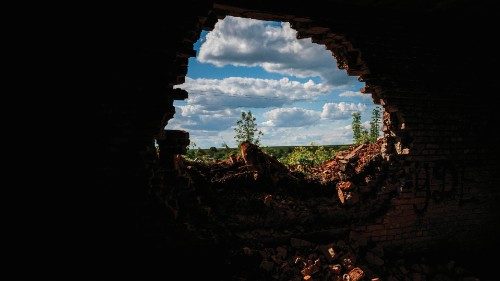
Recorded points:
191,150
375,125
360,134
246,129
224,145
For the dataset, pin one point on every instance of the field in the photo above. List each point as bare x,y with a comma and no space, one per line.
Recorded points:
289,155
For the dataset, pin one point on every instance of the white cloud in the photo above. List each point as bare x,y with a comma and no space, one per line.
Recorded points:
196,117
196,109
290,117
322,133
236,92
354,94
214,105
299,117
341,110
248,42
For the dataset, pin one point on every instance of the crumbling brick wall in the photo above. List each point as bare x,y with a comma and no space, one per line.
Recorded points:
424,64
431,122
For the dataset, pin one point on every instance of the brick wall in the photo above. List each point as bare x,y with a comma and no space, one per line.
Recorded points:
433,79
436,126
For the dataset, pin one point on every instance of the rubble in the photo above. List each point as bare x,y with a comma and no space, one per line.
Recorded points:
295,226
356,274
329,252
298,243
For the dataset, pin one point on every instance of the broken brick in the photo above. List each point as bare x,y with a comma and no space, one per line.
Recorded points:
329,252
356,274
345,185
335,268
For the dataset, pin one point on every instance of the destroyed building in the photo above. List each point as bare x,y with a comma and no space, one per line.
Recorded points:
428,188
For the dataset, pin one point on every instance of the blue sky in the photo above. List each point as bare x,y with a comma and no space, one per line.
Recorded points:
293,87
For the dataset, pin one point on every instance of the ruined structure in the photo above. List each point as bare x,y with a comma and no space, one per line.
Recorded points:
430,65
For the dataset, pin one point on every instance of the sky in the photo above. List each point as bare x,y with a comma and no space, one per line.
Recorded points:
293,87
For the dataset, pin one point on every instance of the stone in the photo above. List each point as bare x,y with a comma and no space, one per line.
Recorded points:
353,153
335,268
267,199
310,270
347,262
329,252
298,261
356,274
345,185
351,198
341,195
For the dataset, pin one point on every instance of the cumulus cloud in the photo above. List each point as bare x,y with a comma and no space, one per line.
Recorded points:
299,117
321,133
214,105
196,109
290,117
354,94
341,110
196,117
248,42
235,92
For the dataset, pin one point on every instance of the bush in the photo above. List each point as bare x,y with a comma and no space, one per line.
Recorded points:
308,156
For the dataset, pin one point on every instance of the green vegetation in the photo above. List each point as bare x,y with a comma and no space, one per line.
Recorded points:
358,133
246,129
362,135
308,155
288,155
375,124
211,154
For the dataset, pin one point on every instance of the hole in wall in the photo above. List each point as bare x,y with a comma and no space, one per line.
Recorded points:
292,87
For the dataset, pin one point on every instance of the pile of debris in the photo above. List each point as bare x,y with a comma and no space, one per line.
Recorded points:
277,224
358,170
253,168
303,260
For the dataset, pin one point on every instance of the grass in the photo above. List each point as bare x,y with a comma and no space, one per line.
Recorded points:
289,155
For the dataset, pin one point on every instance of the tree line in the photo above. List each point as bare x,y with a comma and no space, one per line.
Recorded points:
246,130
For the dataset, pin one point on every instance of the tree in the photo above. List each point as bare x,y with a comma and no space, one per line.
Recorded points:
191,150
360,134
224,145
375,124
246,129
